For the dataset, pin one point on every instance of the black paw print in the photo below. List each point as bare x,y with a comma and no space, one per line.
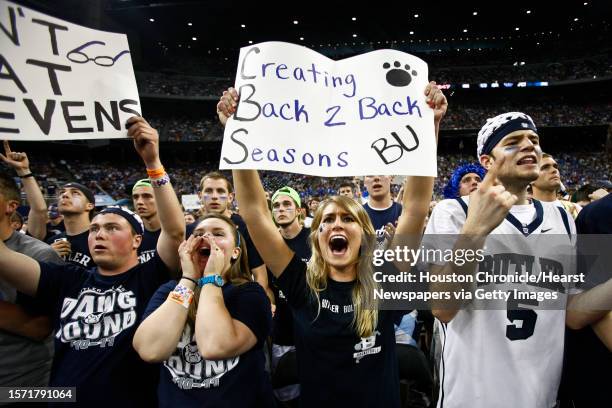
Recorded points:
399,76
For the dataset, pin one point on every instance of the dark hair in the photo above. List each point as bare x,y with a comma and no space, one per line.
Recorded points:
582,194
8,187
347,184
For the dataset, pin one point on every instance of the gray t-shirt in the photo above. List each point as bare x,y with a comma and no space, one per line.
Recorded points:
25,362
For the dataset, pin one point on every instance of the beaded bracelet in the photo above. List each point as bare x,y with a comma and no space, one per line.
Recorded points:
158,182
181,295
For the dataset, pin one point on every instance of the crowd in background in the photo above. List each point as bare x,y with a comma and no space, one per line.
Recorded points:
116,180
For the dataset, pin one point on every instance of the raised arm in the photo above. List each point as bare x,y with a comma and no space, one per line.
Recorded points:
217,334
417,190
146,143
488,207
37,218
251,199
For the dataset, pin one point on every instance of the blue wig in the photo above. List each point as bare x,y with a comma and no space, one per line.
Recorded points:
452,188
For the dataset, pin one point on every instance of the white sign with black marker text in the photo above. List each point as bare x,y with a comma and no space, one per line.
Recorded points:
302,112
61,81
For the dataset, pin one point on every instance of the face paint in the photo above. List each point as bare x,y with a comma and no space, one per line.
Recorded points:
77,201
208,197
510,150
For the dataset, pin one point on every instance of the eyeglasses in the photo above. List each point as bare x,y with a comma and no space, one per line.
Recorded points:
80,57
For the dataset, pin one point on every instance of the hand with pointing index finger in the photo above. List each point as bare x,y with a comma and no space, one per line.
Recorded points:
17,160
489,204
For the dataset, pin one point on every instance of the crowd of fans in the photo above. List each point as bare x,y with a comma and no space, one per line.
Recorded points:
459,116
489,72
577,169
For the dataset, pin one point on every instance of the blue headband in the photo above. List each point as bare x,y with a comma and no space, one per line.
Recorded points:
131,217
452,188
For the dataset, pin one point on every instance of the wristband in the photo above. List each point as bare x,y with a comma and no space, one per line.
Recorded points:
27,175
158,182
181,295
189,279
156,173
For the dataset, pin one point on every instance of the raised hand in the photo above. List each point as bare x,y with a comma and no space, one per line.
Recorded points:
436,100
489,204
188,253
227,105
146,140
17,160
216,260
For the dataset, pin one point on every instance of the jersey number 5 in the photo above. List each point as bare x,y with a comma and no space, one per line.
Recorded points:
527,317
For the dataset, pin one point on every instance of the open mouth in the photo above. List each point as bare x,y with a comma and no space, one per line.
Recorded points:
338,244
99,247
376,186
527,160
204,252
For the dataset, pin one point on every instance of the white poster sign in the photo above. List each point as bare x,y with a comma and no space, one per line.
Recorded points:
302,112
61,81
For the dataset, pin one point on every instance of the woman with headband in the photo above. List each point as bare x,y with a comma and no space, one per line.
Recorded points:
208,329
345,344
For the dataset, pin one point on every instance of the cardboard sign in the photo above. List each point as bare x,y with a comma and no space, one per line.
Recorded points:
302,112
61,81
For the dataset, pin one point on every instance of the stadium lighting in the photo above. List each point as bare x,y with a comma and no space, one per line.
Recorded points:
465,30
250,42
301,38
189,24
586,3
528,11
416,16
354,18
576,19
516,28
354,35
295,22
194,38
412,33
243,25
152,20
475,13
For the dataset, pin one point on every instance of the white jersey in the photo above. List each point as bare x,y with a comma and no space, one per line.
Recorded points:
511,356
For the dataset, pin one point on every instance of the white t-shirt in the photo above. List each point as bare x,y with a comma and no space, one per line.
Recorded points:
511,356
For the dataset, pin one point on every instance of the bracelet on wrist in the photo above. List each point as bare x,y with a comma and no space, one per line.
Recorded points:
189,279
27,175
161,181
156,173
181,295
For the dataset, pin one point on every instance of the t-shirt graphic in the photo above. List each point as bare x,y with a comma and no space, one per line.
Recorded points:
96,317
189,370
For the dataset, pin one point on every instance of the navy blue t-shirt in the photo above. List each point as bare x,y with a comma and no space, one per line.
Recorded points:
94,319
282,332
254,257
380,218
335,366
79,249
188,380
585,354
148,246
